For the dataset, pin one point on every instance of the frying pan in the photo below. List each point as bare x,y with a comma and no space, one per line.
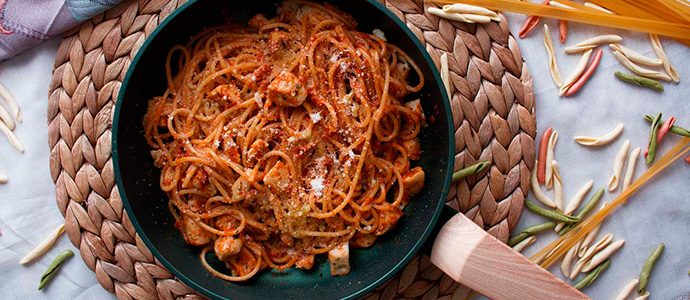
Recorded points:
461,249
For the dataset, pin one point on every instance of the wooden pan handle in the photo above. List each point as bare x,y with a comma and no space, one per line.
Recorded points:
481,262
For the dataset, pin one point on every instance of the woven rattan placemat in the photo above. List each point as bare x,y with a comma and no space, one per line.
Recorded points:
493,109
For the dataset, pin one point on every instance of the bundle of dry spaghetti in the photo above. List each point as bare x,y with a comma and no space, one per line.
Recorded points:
669,18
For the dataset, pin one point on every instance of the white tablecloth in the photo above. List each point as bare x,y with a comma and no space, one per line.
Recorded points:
659,213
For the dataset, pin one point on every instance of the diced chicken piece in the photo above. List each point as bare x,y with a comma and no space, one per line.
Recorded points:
278,178
192,232
306,262
339,258
158,158
416,106
287,90
413,180
387,219
363,240
414,149
227,246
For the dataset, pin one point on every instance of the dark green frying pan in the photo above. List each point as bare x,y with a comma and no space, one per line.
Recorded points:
137,178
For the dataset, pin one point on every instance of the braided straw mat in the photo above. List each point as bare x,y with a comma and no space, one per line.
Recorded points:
493,109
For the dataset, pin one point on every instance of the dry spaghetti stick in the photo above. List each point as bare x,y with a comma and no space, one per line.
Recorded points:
593,42
635,56
661,54
551,52
577,72
11,103
548,173
639,70
11,137
538,193
630,169
618,164
602,140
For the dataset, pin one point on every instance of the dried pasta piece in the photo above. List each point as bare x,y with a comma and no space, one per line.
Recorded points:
579,69
661,54
602,140
627,290
635,56
526,242
575,202
567,262
593,42
5,117
44,246
551,52
471,9
11,103
549,159
589,238
538,193
601,244
477,18
445,74
557,186
16,143
630,169
639,70
618,164
597,7
3,178
465,18
643,297
602,255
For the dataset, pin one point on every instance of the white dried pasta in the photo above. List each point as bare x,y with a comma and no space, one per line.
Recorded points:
618,164
593,42
3,178
601,244
627,290
575,202
567,262
602,140
630,169
538,193
465,18
5,117
471,9
661,54
44,246
445,74
635,56
11,103
559,5
579,69
549,159
524,243
603,255
643,297
557,186
551,52
11,137
639,70
597,7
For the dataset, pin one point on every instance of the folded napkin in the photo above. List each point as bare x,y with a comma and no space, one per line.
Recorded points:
25,23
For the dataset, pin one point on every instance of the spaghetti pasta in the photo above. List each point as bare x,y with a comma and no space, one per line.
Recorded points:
286,139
